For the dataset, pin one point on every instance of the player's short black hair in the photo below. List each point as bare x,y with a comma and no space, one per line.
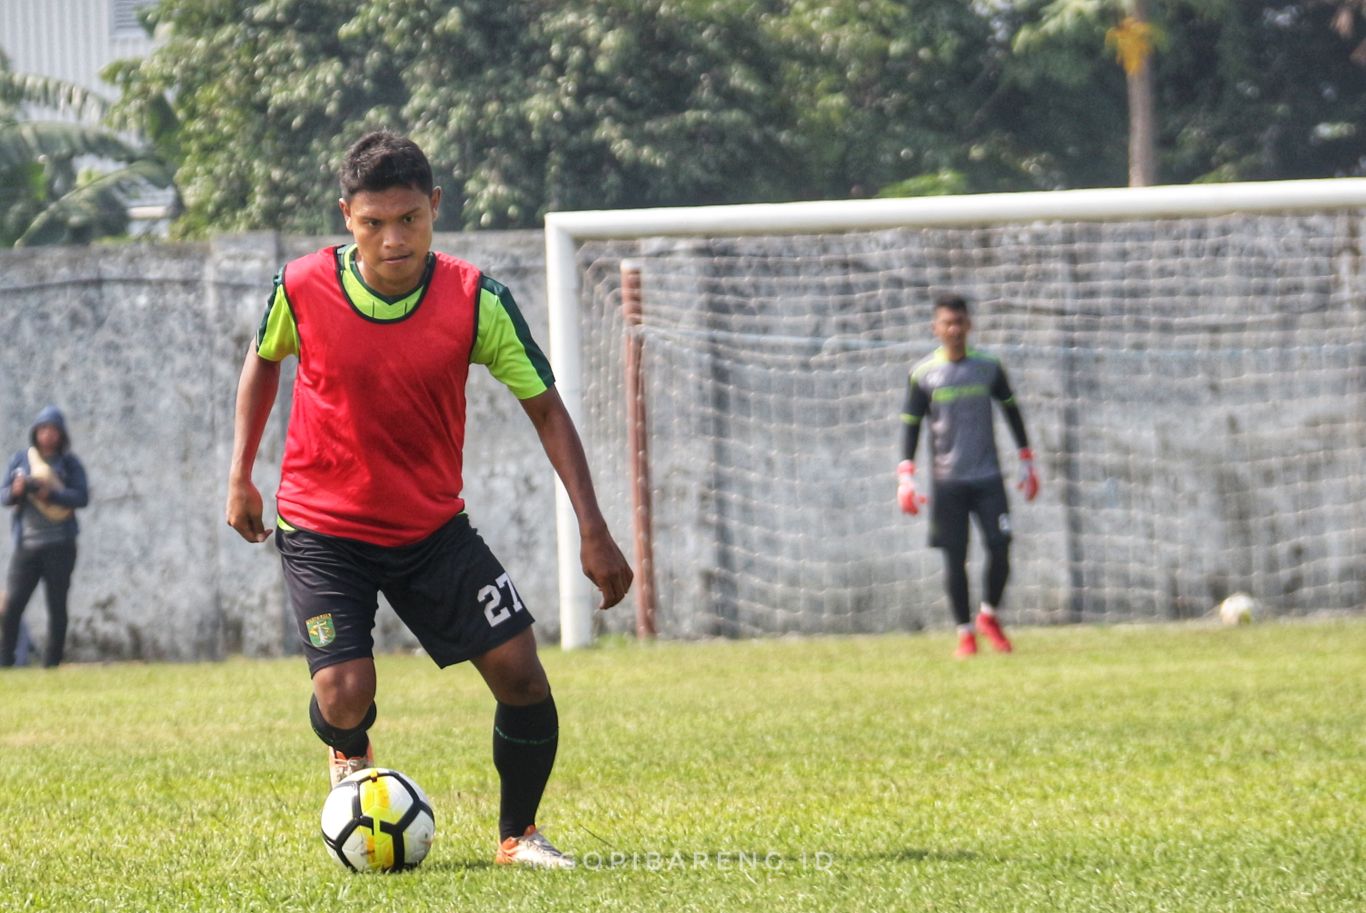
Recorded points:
950,302
381,160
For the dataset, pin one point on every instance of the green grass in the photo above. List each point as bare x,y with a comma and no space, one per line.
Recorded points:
1146,768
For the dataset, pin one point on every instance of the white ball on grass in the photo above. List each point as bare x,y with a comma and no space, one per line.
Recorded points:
1238,609
378,820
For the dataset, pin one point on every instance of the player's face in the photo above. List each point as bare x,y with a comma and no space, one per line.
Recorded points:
48,439
393,232
951,329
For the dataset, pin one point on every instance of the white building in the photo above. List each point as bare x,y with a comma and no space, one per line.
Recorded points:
71,39
74,40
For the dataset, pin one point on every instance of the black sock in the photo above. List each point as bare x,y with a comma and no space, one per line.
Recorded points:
524,743
350,742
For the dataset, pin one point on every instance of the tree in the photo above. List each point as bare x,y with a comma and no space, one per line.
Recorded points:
529,106
43,197
1134,40
264,97
1240,91
600,104
1133,37
887,91
1344,22
521,106
1261,92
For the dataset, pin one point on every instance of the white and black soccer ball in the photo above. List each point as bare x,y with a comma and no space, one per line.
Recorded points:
378,820
1238,609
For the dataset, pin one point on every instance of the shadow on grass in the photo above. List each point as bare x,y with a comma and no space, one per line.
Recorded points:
918,854
454,865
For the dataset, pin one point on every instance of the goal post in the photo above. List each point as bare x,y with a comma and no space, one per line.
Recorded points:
1093,293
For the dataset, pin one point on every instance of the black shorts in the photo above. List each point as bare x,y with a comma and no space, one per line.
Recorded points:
952,502
449,590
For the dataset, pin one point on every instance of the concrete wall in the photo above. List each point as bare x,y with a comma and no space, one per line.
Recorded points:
141,346
1192,442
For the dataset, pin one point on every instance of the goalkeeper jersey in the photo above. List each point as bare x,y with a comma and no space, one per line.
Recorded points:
956,397
374,450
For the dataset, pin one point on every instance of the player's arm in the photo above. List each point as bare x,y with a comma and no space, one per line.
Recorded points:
503,342
603,562
276,337
256,390
1029,479
913,412
912,416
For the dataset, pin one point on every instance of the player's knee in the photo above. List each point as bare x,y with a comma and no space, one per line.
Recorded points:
344,694
336,729
528,686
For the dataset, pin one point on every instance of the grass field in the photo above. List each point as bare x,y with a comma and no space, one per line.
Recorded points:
1126,768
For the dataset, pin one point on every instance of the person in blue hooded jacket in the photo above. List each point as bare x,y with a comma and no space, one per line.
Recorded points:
45,484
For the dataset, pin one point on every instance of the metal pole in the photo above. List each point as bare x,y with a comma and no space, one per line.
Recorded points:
637,442
562,298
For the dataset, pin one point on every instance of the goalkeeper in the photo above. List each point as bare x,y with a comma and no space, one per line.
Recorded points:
954,387
385,331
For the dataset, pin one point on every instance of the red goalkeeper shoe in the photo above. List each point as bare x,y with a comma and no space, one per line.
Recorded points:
967,646
990,628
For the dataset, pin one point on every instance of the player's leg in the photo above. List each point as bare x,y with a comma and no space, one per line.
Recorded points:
341,712
993,517
333,592
996,575
24,573
956,585
58,561
526,730
949,533
454,595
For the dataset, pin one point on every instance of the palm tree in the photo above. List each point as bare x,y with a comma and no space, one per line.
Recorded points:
1134,38
43,197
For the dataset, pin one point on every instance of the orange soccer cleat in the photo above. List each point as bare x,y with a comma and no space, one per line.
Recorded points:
532,849
339,766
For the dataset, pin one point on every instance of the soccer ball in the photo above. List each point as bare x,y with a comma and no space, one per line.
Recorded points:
1238,609
378,820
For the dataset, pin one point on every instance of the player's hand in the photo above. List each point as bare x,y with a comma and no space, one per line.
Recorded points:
906,495
244,511
1029,479
605,565
17,485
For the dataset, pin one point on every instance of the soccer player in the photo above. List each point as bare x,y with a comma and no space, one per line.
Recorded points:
954,387
385,331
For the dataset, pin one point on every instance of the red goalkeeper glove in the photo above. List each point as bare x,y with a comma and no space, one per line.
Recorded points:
906,495
1029,479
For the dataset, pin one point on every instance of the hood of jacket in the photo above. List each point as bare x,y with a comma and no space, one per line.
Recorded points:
50,416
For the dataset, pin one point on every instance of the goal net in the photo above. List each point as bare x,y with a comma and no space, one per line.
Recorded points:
1189,363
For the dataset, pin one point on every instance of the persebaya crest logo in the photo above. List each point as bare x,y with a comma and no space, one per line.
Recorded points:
321,632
